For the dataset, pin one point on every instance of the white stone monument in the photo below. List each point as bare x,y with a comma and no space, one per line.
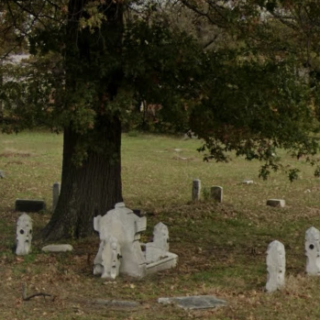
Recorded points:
123,224
23,235
107,261
159,247
276,266
196,189
312,247
120,250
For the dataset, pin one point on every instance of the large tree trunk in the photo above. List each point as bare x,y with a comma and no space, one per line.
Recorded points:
91,172
88,190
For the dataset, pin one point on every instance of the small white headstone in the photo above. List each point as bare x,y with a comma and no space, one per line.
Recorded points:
247,182
159,248
276,203
24,235
196,189
217,193
107,261
312,247
276,266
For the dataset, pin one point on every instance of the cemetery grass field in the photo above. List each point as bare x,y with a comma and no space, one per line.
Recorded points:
221,247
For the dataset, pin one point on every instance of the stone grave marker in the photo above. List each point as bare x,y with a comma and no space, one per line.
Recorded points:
23,235
55,194
216,193
159,247
312,247
123,224
276,266
29,205
196,189
194,302
107,260
276,203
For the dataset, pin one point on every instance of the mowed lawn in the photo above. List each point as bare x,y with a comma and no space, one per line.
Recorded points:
221,247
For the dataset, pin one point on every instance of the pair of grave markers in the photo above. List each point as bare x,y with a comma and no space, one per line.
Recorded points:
276,259
216,192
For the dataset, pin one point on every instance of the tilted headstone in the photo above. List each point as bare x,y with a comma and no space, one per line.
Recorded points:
217,193
123,224
55,194
23,235
107,261
159,248
276,203
196,189
276,266
312,247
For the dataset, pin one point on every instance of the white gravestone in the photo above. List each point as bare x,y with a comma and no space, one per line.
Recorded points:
123,224
159,248
276,266
196,189
217,193
24,235
107,261
312,247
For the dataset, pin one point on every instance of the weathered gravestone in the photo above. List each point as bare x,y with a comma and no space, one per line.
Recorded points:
55,194
120,250
312,247
29,205
276,203
157,252
217,193
276,266
107,260
196,189
23,235
123,224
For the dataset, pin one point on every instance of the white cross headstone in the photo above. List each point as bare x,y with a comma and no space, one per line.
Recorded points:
123,224
217,193
196,189
312,247
276,266
24,235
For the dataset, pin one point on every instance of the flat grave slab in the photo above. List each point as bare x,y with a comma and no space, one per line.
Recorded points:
194,302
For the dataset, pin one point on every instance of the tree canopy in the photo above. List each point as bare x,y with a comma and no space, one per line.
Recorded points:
242,75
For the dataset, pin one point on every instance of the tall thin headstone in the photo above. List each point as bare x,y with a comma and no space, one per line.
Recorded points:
55,194
196,189
276,266
217,193
312,247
